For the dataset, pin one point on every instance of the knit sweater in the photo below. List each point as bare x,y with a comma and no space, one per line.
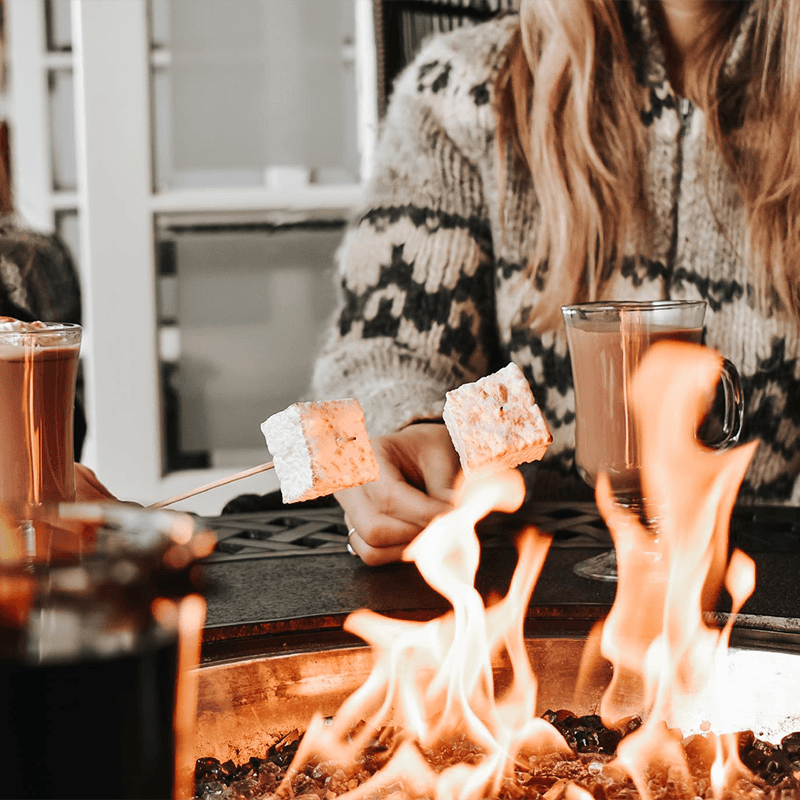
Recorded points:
433,285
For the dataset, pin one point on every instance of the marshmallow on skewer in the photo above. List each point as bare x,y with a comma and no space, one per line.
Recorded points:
320,448
494,423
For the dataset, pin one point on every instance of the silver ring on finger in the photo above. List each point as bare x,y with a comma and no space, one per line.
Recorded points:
349,546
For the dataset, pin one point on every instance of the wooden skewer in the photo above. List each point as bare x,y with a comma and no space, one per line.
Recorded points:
230,479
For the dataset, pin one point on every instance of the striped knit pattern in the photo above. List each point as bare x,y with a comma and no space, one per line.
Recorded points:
433,287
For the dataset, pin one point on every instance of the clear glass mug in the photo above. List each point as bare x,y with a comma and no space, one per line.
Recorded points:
38,371
607,341
100,628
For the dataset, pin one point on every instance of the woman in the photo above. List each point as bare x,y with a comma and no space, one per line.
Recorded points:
581,150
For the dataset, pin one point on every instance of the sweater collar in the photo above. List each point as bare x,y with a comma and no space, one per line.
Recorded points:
648,53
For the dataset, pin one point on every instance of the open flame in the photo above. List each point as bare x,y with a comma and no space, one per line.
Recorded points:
16,593
655,635
433,682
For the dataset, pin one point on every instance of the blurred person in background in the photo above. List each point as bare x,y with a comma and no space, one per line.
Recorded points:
38,281
580,150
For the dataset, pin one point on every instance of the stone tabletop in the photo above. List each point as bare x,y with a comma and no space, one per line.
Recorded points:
277,570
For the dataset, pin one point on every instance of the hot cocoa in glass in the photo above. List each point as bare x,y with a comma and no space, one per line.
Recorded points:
607,341
604,357
38,370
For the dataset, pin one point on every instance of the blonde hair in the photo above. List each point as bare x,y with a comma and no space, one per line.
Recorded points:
578,129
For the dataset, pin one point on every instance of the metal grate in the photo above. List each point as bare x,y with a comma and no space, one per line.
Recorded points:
269,534
316,531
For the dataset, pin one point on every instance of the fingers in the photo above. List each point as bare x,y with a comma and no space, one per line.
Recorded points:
418,468
381,531
386,518
440,481
88,485
404,503
426,455
89,488
389,516
375,556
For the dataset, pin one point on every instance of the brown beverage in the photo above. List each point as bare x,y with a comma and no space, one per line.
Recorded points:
98,620
99,727
603,362
607,341
38,370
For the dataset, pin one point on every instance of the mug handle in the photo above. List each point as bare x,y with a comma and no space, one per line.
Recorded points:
733,416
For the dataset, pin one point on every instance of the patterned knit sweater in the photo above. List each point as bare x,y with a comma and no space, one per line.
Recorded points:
433,286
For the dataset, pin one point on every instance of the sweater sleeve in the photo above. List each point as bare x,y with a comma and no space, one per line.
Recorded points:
415,271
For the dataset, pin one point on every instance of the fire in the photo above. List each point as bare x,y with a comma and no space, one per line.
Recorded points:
655,635
12,547
16,591
185,616
433,682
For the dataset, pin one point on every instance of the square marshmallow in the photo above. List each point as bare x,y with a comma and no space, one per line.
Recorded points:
495,423
319,448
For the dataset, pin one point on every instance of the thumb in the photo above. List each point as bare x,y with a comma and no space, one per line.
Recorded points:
441,478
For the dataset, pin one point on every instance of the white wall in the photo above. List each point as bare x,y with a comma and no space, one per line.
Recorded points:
261,96
252,84
251,308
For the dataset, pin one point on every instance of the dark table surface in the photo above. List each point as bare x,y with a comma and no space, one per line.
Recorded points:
288,570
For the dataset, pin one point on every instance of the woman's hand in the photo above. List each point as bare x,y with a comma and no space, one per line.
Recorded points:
419,467
88,486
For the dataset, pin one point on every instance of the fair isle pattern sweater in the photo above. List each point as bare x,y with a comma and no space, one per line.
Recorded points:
433,287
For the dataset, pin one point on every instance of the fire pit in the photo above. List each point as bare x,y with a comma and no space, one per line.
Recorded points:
473,705
264,680
247,704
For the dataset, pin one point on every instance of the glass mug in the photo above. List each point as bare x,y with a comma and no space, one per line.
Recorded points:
100,628
607,341
38,371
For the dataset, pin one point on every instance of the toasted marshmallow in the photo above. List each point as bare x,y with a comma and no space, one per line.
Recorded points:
319,448
15,332
11,325
494,423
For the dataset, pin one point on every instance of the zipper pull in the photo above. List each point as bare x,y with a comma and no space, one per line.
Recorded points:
685,108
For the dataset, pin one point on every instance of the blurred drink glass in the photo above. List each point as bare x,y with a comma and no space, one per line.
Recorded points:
38,371
100,628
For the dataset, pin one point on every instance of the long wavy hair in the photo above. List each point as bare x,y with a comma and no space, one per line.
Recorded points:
578,129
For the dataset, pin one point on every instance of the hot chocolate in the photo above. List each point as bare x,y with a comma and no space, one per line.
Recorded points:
607,342
38,370
603,362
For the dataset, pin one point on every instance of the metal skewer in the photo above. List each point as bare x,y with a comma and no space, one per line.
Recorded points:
221,482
